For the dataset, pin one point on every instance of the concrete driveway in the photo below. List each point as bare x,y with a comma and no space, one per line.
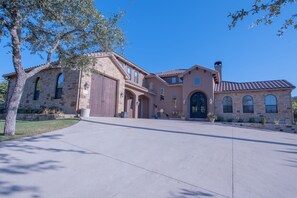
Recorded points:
127,158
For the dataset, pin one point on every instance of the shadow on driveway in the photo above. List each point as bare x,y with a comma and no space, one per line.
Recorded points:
13,166
184,193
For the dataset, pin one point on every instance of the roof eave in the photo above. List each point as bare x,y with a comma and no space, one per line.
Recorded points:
130,63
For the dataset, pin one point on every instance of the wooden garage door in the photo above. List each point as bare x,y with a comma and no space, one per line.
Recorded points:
103,96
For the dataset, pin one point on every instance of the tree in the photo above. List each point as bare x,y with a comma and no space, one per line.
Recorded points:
3,91
61,31
294,106
270,9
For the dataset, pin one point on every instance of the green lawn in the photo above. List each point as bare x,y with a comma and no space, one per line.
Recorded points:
30,128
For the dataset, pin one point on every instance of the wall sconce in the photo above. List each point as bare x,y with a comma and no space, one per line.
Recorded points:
86,86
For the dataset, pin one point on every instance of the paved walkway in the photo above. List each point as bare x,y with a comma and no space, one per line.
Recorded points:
126,158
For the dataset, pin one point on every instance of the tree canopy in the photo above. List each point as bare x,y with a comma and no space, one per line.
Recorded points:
294,106
60,29
3,91
267,11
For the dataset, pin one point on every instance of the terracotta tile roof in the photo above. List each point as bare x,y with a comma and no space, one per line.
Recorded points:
171,72
53,64
225,86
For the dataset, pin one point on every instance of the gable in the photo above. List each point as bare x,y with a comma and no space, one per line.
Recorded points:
109,66
202,72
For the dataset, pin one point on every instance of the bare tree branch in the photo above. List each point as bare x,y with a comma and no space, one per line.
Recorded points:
48,60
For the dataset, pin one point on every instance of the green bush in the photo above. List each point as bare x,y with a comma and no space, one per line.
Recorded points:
252,120
263,121
276,122
220,119
240,120
51,110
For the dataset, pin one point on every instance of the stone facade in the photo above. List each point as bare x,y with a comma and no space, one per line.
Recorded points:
48,80
284,113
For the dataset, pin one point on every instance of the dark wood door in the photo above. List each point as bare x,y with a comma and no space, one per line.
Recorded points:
103,96
198,105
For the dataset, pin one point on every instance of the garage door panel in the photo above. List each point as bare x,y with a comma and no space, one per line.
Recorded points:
109,96
103,96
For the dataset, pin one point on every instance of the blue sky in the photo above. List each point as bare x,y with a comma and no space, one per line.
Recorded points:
165,35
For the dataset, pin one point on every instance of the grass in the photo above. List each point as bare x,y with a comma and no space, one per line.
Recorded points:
31,128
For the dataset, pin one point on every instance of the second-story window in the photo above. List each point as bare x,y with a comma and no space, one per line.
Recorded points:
129,71
136,76
162,94
173,80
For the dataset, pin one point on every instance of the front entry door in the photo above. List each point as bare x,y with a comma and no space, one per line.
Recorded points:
198,105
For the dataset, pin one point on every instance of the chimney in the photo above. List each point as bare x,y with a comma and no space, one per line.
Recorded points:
218,67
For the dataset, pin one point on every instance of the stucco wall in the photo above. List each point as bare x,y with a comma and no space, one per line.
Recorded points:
283,103
141,75
47,99
169,92
206,86
104,66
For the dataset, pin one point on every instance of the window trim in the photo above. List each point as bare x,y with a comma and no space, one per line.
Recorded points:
227,108
246,107
136,76
275,105
36,91
59,90
129,72
162,94
173,80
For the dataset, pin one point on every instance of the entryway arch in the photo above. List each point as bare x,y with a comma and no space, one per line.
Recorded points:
143,106
198,105
129,105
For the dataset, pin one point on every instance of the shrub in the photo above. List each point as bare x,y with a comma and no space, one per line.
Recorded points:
212,116
276,122
252,120
51,110
263,121
220,119
240,120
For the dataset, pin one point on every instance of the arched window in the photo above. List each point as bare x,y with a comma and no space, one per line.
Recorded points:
227,104
270,104
59,86
248,104
37,89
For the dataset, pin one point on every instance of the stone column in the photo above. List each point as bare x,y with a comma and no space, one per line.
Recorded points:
136,103
151,107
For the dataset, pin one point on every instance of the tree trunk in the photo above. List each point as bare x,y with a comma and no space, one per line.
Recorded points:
13,104
21,76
